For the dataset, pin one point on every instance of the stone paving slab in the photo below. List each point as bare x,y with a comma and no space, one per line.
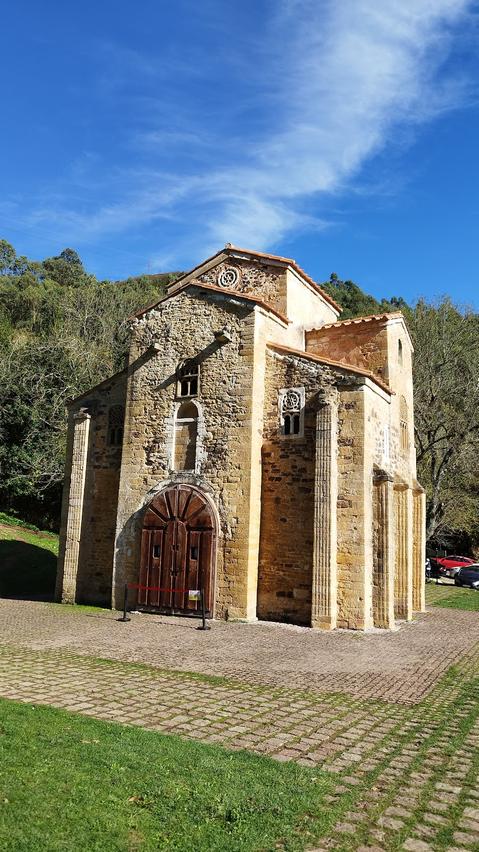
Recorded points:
406,772
379,711
401,666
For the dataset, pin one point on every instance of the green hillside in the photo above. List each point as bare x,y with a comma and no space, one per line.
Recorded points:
28,560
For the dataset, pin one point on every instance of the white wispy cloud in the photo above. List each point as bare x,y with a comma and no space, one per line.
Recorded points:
334,82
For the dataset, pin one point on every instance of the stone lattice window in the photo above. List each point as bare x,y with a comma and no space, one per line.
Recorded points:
188,377
403,425
116,417
186,433
291,411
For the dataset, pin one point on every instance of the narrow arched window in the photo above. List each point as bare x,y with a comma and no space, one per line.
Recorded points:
186,433
403,425
291,411
188,375
400,352
116,417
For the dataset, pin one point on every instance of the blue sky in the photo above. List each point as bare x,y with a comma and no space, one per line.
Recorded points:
343,134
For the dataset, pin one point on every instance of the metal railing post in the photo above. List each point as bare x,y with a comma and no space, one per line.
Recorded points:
125,605
203,625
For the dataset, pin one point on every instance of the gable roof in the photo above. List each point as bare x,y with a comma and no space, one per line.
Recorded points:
286,261
373,318
349,368
233,251
231,294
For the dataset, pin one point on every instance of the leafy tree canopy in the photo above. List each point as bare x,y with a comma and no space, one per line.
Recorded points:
355,302
61,331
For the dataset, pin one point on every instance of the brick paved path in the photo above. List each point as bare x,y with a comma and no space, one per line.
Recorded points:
401,666
407,770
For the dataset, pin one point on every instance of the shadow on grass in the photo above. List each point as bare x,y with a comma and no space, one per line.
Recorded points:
26,572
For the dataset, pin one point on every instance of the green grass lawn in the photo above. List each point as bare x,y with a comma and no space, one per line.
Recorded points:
72,783
452,597
27,561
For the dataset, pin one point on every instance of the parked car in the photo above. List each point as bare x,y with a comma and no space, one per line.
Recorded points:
448,566
468,576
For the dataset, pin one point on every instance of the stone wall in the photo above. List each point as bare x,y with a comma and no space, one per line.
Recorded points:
287,500
183,327
306,308
263,280
276,499
363,345
352,558
94,561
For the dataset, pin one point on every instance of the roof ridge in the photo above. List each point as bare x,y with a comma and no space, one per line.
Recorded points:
357,320
180,283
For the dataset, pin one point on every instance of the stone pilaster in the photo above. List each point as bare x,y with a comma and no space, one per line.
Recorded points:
419,549
403,546
324,585
383,574
81,432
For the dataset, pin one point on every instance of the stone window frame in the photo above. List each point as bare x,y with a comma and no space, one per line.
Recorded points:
400,352
288,412
180,420
116,421
171,439
229,277
188,379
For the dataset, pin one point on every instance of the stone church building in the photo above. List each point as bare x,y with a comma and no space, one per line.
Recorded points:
255,446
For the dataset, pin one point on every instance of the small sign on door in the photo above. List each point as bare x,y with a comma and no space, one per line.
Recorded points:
194,594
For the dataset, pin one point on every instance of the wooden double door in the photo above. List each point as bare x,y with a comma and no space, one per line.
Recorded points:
177,550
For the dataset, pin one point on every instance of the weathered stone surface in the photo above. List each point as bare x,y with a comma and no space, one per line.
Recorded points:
309,510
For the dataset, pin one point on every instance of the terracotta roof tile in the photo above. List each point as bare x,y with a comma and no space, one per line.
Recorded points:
357,320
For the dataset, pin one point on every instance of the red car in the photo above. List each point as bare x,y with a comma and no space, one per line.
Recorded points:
449,565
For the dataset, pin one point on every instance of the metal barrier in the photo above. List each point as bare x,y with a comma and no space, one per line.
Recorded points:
199,592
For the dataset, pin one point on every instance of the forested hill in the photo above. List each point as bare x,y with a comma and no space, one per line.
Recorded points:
355,302
62,331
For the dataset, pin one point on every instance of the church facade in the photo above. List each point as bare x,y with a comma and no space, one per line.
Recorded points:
255,447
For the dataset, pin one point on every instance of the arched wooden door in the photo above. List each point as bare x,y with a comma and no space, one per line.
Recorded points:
177,546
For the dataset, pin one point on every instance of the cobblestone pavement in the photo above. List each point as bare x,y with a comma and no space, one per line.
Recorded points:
394,666
407,770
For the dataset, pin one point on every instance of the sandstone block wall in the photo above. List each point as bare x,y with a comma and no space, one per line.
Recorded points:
362,345
184,327
287,499
264,281
269,490
99,500
353,570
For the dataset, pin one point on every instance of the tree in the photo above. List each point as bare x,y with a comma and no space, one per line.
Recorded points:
354,301
7,257
67,269
61,331
446,381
